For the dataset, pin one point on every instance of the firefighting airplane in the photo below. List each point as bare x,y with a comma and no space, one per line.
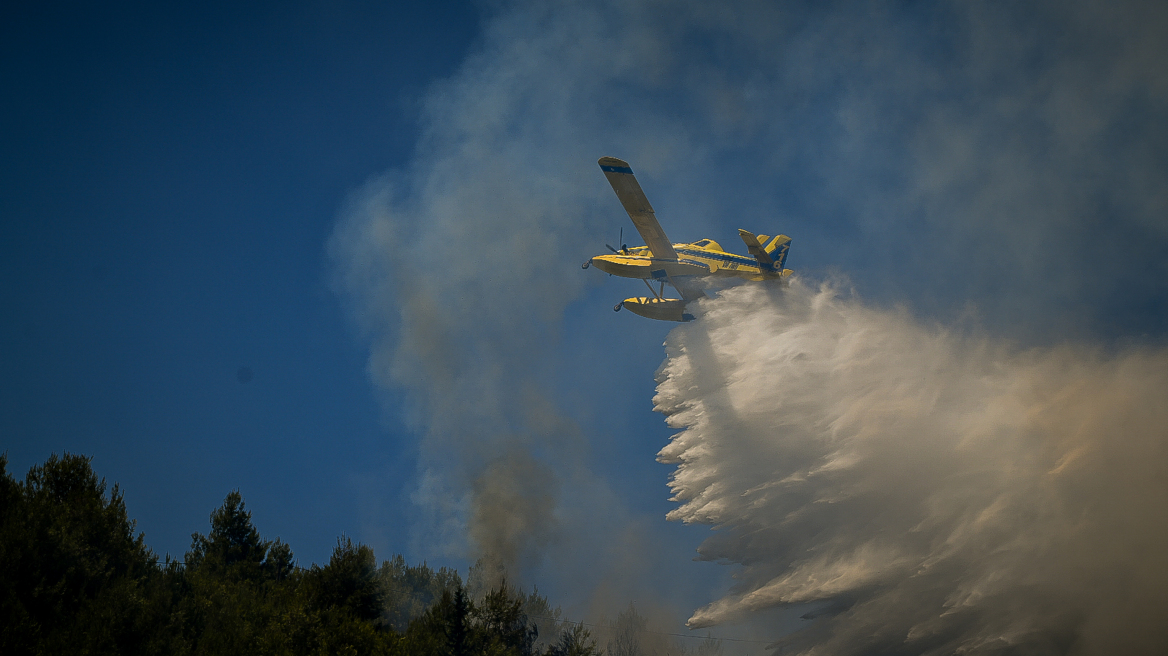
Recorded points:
678,264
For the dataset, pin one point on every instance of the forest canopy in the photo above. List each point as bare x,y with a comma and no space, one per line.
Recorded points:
75,578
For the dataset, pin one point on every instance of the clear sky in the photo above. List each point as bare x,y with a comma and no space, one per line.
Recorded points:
329,253
171,174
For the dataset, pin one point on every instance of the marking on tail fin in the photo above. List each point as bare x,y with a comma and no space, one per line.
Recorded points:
777,250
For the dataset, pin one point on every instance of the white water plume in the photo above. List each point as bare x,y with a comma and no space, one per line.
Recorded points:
926,491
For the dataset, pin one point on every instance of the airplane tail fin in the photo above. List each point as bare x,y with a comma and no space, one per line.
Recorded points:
770,256
777,249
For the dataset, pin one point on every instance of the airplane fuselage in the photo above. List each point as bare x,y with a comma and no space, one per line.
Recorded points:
692,260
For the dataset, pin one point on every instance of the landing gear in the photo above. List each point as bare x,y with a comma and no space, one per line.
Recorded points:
655,292
618,306
586,264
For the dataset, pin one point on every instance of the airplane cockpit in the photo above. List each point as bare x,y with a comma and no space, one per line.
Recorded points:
710,244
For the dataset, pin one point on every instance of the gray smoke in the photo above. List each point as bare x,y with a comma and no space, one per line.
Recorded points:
937,492
513,518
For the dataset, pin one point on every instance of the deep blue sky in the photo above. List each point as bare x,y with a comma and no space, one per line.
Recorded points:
170,175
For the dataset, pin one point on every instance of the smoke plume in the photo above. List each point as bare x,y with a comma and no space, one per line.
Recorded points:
927,491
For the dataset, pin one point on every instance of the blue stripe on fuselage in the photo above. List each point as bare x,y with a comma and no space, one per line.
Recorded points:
713,255
616,169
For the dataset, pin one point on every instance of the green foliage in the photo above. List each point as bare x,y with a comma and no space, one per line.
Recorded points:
72,571
235,588
410,591
74,578
233,549
442,629
279,564
241,594
349,582
457,625
502,625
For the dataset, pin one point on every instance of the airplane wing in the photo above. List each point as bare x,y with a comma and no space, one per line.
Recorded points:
620,176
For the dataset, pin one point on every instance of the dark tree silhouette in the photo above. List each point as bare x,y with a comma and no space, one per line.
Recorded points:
71,569
75,579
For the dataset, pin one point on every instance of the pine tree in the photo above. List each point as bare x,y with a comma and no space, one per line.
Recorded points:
71,569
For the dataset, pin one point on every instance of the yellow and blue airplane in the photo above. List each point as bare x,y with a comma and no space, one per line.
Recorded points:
680,265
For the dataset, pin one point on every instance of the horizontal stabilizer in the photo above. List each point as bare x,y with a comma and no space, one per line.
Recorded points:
771,256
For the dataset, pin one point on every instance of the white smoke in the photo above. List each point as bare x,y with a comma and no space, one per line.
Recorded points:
944,493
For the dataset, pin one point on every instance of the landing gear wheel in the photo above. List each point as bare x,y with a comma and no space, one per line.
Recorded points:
618,306
586,264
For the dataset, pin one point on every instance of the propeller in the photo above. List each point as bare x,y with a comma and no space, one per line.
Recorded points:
621,240
624,249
